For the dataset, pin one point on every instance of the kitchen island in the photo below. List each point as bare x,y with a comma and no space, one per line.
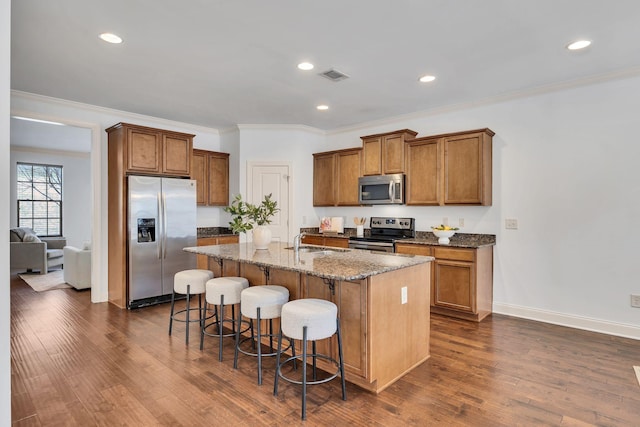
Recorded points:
383,300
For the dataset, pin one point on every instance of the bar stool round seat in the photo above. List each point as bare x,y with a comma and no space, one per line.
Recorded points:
188,282
223,291
307,320
260,303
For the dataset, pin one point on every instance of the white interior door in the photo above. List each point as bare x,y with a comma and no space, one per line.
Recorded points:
271,178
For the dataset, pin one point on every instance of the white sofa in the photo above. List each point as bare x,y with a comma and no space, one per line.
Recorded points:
77,267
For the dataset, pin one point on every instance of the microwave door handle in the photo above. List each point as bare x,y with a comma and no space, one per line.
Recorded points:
391,191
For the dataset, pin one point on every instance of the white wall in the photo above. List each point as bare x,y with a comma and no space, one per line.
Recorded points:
293,144
99,119
565,166
76,190
5,315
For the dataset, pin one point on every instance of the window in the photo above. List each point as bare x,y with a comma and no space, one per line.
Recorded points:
40,198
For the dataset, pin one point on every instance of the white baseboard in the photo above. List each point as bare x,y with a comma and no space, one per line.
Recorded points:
572,321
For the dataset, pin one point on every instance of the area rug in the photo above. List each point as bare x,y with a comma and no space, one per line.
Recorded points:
45,282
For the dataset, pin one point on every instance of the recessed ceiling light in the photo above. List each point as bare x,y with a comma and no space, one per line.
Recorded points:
306,66
577,45
322,107
110,38
426,79
29,119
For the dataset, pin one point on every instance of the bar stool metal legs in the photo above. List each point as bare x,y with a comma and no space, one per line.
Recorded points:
309,320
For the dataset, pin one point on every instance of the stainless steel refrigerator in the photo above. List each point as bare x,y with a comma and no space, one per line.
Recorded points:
162,221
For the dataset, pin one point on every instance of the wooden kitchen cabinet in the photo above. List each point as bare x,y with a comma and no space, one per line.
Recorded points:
202,261
467,168
335,177
210,169
462,279
423,167
134,149
153,151
450,169
384,153
333,241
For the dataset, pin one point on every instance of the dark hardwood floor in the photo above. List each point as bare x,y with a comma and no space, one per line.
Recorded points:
77,363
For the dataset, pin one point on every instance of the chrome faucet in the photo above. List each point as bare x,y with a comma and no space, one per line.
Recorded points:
296,241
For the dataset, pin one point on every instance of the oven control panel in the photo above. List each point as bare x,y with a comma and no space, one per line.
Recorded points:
393,223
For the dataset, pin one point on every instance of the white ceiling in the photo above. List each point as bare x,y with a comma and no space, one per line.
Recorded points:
220,63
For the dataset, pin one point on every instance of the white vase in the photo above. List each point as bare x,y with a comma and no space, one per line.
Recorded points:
261,237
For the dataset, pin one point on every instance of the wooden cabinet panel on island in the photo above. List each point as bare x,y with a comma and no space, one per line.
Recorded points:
384,153
211,172
462,279
335,177
450,169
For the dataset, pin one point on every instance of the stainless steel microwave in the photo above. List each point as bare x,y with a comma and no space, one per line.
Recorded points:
381,189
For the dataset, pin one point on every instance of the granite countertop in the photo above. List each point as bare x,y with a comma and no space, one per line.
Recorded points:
338,264
459,240
204,232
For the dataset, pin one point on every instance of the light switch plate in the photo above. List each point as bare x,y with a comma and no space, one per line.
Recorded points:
511,224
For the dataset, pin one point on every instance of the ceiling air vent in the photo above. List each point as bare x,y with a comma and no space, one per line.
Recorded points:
334,75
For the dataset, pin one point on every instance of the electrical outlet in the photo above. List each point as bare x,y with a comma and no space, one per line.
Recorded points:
511,224
445,221
461,222
403,295
635,300
304,219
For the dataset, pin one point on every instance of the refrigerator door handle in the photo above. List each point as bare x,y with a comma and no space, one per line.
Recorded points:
160,226
164,226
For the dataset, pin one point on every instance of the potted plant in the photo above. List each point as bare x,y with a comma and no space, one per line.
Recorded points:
247,216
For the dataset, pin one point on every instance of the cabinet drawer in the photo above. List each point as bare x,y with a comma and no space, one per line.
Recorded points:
206,241
337,242
414,249
228,239
454,254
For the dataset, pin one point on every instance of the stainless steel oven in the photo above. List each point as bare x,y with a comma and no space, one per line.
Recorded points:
383,234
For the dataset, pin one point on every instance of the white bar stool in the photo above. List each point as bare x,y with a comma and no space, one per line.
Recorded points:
309,319
260,303
188,282
222,291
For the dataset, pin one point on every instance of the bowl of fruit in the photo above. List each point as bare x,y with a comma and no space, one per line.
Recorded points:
443,233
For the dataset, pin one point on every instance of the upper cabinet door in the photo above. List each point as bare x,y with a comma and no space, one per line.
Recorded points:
218,179
176,154
199,173
372,156
467,169
324,179
348,165
423,171
393,154
144,150
383,154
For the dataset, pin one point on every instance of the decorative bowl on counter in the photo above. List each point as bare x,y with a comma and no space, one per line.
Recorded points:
443,233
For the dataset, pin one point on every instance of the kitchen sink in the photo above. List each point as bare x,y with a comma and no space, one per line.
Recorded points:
318,249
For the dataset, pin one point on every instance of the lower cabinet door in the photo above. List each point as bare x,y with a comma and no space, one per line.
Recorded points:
454,285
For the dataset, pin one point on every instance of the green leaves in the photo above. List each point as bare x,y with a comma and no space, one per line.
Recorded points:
246,215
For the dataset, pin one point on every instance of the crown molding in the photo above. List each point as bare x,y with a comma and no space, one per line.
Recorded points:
126,115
